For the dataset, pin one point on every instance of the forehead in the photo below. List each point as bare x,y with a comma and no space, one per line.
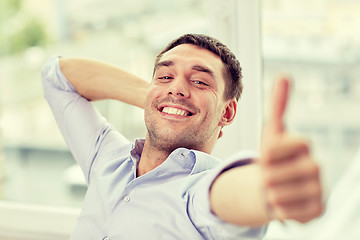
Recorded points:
193,55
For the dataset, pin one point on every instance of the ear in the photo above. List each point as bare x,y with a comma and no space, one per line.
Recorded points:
220,133
229,113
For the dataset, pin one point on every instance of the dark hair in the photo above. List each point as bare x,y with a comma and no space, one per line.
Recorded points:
233,76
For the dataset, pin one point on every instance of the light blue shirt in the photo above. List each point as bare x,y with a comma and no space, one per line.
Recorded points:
169,202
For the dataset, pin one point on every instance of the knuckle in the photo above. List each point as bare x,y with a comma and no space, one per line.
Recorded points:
310,168
269,181
314,169
317,209
301,142
314,210
269,175
287,215
269,154
304,219
303,146
316,191
272,200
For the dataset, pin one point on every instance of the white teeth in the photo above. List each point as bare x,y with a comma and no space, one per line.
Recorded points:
174,111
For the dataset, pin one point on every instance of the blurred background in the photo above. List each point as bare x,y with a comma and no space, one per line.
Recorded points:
316,42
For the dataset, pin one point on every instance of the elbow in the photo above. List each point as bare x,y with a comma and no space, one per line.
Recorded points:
46,79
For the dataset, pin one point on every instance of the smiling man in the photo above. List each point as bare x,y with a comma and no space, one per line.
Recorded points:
185,105
168,186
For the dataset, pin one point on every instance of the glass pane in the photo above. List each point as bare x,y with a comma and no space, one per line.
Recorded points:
35,165
317,43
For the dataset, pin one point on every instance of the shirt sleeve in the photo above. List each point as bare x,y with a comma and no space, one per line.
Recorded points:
81,125
210,226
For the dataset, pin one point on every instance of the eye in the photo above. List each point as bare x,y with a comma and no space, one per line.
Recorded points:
200,83
165,77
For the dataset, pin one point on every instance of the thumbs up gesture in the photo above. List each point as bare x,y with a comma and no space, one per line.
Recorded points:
291,175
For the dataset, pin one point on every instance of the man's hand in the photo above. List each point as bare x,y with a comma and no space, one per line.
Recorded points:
291,175
96,80
285,169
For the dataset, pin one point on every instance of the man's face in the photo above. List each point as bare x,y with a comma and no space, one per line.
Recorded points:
185,106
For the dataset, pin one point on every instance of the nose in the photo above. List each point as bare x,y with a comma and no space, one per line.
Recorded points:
179,88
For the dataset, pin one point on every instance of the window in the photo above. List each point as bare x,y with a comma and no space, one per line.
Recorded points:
39,179
37,162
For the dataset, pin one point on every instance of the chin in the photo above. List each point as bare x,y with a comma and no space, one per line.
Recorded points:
171,140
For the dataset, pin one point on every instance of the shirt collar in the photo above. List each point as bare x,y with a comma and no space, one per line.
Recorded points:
136,151
191,161
204,162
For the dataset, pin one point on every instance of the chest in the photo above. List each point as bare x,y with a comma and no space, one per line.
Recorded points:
153,206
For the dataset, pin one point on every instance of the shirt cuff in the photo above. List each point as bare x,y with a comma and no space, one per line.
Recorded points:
52,76
206,218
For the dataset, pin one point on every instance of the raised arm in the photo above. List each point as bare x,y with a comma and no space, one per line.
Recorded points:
82,126
284,182
97,80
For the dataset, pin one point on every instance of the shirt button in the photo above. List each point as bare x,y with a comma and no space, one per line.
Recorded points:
106,238
127,199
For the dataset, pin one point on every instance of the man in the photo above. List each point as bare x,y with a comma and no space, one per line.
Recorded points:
168,186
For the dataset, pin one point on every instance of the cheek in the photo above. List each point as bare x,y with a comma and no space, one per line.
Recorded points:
218,109
152,94
155,90
210,105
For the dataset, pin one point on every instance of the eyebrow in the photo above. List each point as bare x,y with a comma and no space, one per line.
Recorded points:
166,63
199,68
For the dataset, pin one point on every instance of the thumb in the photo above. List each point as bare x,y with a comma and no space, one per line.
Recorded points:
278,105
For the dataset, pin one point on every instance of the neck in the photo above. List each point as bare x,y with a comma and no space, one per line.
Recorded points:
153,155
151,158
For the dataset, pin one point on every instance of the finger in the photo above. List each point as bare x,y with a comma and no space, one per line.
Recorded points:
295,191
301,211
285,147
300,168
278,105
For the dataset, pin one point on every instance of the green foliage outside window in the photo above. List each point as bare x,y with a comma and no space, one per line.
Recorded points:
19,29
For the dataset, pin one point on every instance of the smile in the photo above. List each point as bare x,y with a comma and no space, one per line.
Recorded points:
175,111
